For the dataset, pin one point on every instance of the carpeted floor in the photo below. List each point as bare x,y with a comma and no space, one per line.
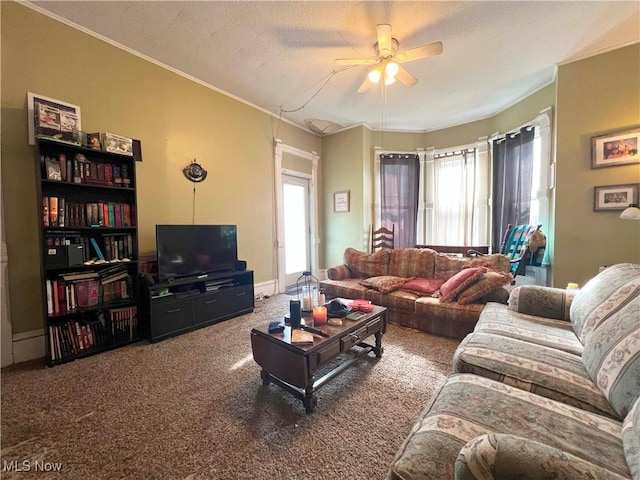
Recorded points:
193,407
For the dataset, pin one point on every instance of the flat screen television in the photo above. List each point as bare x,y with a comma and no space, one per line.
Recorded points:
187,250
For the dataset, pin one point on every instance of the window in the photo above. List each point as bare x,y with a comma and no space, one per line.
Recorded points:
399,183
528,200
454,192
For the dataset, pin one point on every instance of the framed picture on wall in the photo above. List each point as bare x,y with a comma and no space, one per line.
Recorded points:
615,197
341,202
52,118
614,149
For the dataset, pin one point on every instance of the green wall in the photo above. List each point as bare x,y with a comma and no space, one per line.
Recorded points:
176,120
597,95
343,164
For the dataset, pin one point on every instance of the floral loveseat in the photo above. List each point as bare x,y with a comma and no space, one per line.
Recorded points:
409,282
546,387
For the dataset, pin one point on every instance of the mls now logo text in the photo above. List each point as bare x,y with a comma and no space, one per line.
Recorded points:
29,466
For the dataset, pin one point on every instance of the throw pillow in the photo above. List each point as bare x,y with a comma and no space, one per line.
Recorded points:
490,280
367,264
499,295
459,282
384,283
423,286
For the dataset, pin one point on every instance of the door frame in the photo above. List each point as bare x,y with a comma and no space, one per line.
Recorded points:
314,240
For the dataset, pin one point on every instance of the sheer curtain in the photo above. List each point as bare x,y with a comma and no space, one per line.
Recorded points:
399,183
512,180
459,196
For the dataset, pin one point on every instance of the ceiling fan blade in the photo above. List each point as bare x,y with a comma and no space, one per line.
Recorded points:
356,61
406,78
366,85
385,45
430,50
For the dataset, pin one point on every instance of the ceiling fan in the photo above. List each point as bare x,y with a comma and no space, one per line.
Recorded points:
388,60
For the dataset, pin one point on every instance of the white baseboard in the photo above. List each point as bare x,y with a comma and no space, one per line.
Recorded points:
28,346
267,288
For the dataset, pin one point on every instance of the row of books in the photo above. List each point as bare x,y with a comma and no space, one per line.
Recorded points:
109,247
71,338
81,170
124,323
59,212
75,291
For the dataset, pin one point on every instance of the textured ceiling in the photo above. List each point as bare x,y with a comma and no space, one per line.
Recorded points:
280,55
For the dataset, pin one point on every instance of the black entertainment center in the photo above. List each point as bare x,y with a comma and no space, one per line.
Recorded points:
200,280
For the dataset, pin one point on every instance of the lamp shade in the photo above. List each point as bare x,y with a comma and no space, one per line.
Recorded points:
632,212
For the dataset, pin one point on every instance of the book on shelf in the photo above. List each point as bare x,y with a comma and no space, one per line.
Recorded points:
97,249
299,336
73,276
113,278
87,293
45,211
61,215
53,211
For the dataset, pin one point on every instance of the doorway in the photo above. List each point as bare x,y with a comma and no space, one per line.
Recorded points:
298,169
296,216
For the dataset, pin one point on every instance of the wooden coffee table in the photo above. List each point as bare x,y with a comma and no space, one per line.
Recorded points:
293,367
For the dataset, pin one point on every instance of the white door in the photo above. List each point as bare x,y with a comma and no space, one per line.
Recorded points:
297,247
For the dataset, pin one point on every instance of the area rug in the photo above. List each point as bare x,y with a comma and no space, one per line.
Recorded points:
194,407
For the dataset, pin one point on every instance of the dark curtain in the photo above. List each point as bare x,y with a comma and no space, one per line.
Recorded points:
399,181
512,177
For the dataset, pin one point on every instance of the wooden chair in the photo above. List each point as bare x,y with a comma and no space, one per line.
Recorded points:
382,238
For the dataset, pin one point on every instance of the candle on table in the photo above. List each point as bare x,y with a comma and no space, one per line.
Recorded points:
319,315
307,304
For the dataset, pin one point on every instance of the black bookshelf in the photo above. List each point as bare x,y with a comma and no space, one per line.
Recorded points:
87,213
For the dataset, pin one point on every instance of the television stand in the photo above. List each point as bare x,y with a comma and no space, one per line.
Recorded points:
180,305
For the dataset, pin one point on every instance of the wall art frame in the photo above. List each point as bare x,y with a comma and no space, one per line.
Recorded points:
613,149
615,197
341,202
60,112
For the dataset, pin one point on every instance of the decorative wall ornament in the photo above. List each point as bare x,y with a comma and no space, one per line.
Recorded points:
195,172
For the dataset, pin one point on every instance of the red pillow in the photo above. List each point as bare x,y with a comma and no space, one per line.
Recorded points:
423,286
459,282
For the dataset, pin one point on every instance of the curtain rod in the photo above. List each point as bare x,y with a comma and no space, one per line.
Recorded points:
453,152
513,133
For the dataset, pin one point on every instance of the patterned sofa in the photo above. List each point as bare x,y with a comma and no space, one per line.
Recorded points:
416,310
546,387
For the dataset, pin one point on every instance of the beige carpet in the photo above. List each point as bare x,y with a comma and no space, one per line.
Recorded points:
193,407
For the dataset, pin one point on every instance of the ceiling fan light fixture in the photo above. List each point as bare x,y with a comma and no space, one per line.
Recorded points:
389,80
375,74
391,69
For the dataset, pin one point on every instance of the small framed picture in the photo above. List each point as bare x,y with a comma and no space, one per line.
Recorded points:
615,197
341,202
52,118
614,149
117,144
